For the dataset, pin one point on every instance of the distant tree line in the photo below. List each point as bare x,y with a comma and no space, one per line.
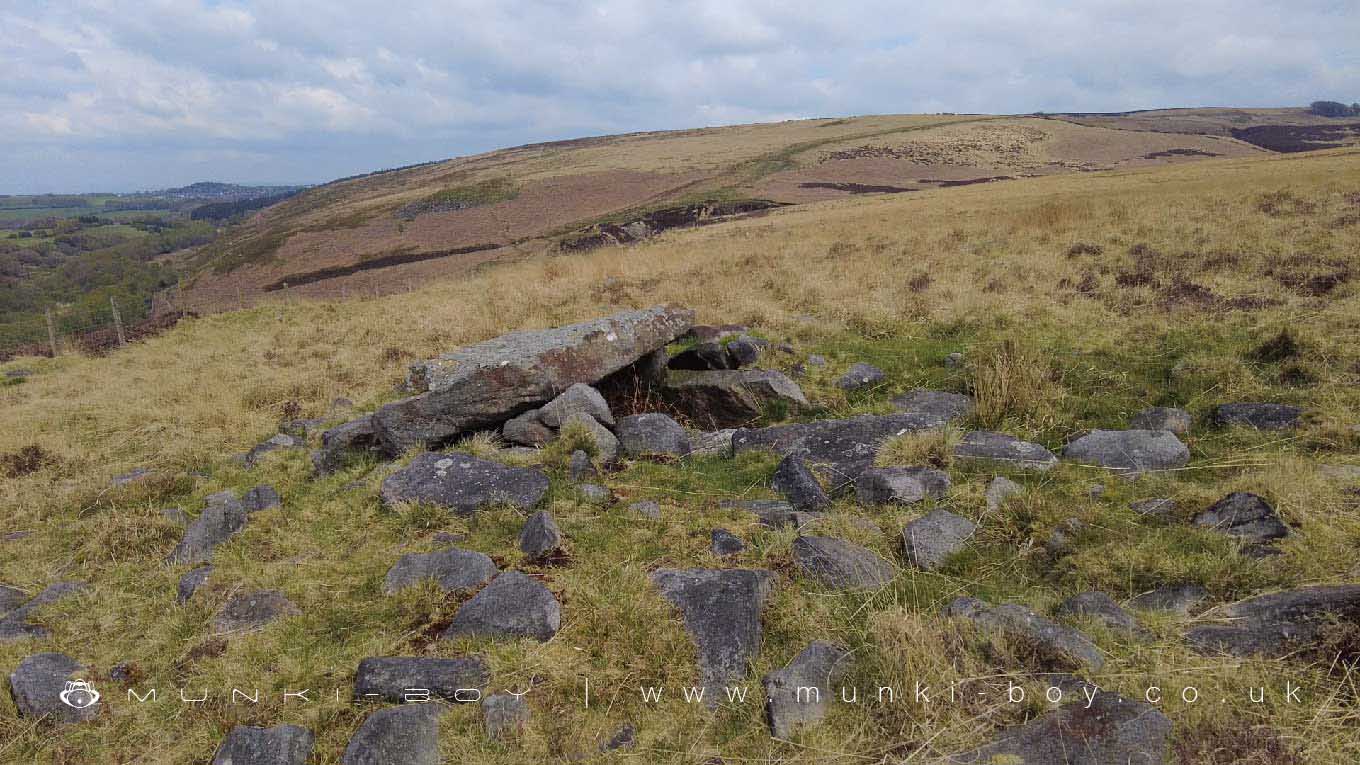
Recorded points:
226,210
1334,109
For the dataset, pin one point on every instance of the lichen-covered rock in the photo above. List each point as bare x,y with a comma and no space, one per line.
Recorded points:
860,375
403,679
16,625
338,443
934,403
253,610
513,605
1277,624
1110,729
1135,451
1055,643
801,692
841,565
464,484
219,521
986,446
453,570
714,443
999,490
606,444
774,513
799,486
279,745
1099,607
191,582
647,508
1177,598
900,485
838,450
721,609
577,399
1259,416
1245,516
504,716
929,541
724,543
651,434
540,535
527,430
408,734
38,682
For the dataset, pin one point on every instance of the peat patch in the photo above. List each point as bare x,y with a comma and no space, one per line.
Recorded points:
1293,138
653,223
395,259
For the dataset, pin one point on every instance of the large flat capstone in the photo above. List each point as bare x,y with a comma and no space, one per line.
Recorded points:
483,385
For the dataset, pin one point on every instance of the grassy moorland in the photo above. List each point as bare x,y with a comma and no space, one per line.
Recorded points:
1076,299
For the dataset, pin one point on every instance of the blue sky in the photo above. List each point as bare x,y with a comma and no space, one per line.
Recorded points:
120,95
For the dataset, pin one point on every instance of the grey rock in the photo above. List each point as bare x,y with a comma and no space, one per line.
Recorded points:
860,375
721,610
338,443
400,679
929,541
594,493
527,430
1162,418
1245,516
723,543
580,467
302,429
716,443
774,513
1095,491
16,625
191,581
839,450
1129,450
643,435
513,605
1111,730
504,716
253,610
464,484
483,385
408,734
280,745
801,692
934,403
453,570
799,486
745,351
1154,508
1277,624
841,565
1055,642
1177,598
986,446
1064,534
1259,416
11,598
274,443
1100,607
540,535
702,357
37,684
816,360
262,497
954,360
901,485
606,444
999,490
729,398
579,398
647,508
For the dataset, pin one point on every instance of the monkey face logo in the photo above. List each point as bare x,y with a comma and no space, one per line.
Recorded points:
79,695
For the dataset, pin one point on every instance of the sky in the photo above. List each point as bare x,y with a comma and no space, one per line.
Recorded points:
121,95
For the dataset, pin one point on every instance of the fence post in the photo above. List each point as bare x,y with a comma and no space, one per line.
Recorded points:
51,333
117,322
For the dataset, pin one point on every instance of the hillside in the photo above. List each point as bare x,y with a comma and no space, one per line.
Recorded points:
1074,300
386,231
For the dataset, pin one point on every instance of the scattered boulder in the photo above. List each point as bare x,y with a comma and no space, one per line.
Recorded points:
723,543
1162,418
721,610
540,535
999,490
800,693
580,467
1111,729
513,605
577,399
774,513
1134,451
280,745
986,446
1099,607
1154,508
799,486
837,449
902,485
1259,416
716,443
1177,598
483,385
341,441
606,444
453,570
262,497
253,610
929,541
191,581
273,443
1246,516
934,403
1277,624
731,397
219,521
16,626
463,483
1052,641
408,734
954,360
504,716
647,508
841,565
38,682
651,434
396,678
860,375
527,430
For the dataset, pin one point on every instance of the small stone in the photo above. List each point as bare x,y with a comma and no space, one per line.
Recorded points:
930,541
1109,729
999,490
1135,451
463,483
650,434
579,398
1162,418
1095,491
262,497
860,375
801,692
401,679
594,493
953,360
276,442
1259,416
1154,508
773,513
647,508
219,521
280,745
253,610
985,446
408,734
1099,607
527,430
816,360
934,403
841,565
1245,516
16,625
624,738
338,443
1060,541
37,684
745,351
513,605
799,486
1056,643
453,570
715,443
504,715
903,485
1177,598
606,444
723,543
580,467
191,581
540,535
